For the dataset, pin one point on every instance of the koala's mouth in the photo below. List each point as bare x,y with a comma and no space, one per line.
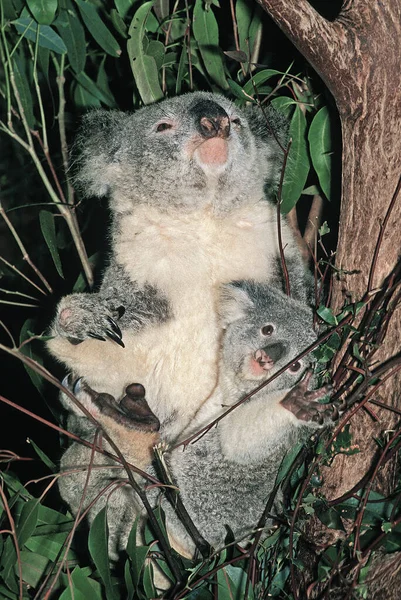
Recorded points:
212,152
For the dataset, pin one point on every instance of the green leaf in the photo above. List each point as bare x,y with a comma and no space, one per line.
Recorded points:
36,379
123,6
43,10
73,593
118,23
88,587
83,98
33,567
259,78
136,554
148,584
7,563
320,148
232,583
23,87
27,521
206,33
237,90
157,50
297,167
98,548
288,461
329,516
97,28
182,67
326,314
43,457
284,105
47,38
47,225
73,35
143,67
90,86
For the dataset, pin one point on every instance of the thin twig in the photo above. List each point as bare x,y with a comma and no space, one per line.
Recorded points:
22,248
381,234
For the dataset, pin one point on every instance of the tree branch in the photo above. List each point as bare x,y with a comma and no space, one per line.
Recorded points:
311,34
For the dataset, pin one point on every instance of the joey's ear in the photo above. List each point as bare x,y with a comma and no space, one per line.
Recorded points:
234,301
97,142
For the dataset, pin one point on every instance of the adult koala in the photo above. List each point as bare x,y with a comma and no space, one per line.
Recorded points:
187,181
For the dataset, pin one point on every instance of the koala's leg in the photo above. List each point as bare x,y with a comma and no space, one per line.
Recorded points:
134,428
303,403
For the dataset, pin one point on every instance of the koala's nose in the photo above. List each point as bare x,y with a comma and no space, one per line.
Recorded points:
275,351
211,119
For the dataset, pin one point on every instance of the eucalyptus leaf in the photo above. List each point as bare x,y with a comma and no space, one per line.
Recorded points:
27,350
321,148
27,521
206,33
90,86
297,167
97,28
33,567
23,87
182,67
259,78
123,6
98,548
144,67
47,38
48,228
73,35
43,11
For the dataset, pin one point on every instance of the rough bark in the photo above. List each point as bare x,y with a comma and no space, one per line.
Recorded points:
358,56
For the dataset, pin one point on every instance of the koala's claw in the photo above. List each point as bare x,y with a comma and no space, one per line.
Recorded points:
82,316
96,336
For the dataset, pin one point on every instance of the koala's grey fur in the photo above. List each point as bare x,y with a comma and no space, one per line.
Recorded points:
225,477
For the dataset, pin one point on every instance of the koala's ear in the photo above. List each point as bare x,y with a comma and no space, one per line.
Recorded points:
233,303
97,142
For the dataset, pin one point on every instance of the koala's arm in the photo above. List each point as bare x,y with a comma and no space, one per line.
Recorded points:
120,304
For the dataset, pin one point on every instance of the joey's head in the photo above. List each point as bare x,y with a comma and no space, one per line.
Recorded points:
189,152
264,331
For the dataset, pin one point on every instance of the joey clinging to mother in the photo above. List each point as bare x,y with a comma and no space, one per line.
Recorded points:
189,182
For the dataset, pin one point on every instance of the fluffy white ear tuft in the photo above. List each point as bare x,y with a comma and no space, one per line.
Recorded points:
234,302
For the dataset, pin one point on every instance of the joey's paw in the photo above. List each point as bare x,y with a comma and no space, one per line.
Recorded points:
304,403
132,412
82,316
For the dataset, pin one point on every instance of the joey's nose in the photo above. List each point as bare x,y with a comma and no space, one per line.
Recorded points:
211,119
275,351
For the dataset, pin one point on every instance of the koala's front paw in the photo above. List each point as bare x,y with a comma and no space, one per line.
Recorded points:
132,412
303,403
81,316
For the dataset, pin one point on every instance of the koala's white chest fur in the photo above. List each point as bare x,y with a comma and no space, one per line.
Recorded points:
187,257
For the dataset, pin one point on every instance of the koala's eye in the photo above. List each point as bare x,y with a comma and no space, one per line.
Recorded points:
267,330
163,126
295,367
236,121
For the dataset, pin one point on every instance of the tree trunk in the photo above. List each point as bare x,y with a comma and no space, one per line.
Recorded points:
358,56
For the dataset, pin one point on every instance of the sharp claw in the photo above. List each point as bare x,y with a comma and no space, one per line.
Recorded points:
115,327
77,386
115,338
66,381
96,336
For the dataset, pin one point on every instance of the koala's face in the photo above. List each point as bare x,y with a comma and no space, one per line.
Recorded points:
190,151
269,332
